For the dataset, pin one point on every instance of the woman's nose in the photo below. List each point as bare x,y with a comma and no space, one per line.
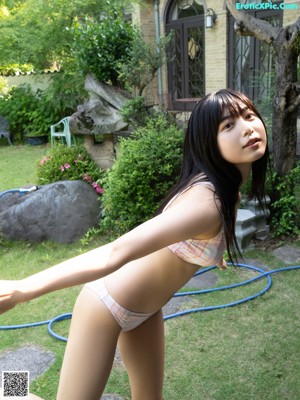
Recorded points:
246,127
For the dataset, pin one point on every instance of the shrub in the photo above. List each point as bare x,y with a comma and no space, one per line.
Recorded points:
3,86
148,166
65,93
99,47
17,106
135,112
285,210
44,115
32,113
69,163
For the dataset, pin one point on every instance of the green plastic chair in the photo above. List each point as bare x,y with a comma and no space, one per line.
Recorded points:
61,130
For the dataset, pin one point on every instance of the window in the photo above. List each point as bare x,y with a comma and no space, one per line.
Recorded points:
251,62
185,18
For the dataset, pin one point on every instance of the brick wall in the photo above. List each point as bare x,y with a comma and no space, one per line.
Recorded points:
290,15
216,49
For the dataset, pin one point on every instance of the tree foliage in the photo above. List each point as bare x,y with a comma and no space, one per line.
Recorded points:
100,47
38,32
145,58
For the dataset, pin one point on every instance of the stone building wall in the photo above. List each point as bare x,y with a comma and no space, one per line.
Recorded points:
290,14
216,42
216,49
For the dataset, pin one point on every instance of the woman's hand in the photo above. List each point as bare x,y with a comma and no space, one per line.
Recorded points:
10,295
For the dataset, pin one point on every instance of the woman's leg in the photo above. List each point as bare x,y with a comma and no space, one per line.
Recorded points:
90,349
142,351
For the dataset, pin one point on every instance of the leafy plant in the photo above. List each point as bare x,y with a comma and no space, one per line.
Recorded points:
148,166
135,111
32,113
286,209
65,92
100,47
3,86
144,59
11,69
69,163
17,106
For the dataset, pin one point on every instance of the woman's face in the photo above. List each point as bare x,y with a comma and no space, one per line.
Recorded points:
242,138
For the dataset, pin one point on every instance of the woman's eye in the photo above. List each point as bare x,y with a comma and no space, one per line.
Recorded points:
250,115
227,126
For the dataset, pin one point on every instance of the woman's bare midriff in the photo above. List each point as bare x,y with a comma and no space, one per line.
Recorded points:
145,285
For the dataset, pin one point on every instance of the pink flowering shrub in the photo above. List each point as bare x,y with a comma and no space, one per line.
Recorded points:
69,163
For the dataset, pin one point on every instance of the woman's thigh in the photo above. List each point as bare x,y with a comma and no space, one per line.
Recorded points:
90,349
142,350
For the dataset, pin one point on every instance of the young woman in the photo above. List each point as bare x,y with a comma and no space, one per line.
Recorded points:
132,278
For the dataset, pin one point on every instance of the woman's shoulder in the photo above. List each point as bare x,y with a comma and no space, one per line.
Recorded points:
200,180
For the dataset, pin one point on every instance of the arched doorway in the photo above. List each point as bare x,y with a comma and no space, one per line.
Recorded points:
186,79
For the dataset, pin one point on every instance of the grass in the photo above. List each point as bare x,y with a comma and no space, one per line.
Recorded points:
17,165
248,352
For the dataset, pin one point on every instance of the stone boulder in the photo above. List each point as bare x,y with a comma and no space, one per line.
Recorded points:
62,212
100,114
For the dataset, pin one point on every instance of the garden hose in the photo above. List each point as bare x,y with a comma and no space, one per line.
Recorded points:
262,274
20,190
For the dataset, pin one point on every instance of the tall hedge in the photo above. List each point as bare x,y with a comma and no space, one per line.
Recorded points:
148,166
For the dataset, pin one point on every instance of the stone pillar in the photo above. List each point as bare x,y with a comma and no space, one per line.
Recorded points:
102,153
261,215
245,228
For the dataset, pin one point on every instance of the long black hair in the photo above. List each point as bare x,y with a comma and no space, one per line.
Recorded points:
201,155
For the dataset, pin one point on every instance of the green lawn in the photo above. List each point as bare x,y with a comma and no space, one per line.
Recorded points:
17,165
247,352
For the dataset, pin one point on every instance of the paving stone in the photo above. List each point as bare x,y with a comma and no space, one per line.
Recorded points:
174,305
254,263
30,358
203,281
288,254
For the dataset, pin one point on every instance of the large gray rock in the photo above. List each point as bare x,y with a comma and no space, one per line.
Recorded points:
62,212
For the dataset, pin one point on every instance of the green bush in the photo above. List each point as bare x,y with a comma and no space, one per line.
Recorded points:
285,211
135,112
148,166
40,119
17,106
65,92
99,47
69,163
28,112
32,113
3,86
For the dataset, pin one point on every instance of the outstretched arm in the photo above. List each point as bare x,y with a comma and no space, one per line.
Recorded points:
195,214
